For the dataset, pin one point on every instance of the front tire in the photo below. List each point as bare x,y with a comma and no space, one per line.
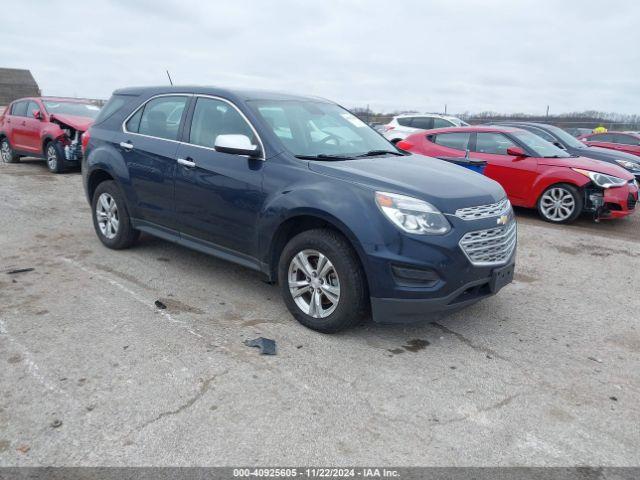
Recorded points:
54,156
322,282
111,219
560,203
7,153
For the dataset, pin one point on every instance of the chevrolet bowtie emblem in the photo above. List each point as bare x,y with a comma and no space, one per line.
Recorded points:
503,219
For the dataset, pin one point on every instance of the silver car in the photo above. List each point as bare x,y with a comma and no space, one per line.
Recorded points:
401,126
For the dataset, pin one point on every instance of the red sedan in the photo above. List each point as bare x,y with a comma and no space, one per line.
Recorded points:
621,141
535,173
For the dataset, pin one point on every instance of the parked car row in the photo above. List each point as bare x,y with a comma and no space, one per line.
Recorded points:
350,225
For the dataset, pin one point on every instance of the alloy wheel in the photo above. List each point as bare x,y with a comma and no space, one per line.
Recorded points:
557,204
6,151
314,283
52,158
107,215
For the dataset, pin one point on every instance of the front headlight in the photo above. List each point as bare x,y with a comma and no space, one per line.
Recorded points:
602,180
628,165
412,215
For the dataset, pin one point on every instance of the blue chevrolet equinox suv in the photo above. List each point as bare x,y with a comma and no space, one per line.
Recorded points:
301,190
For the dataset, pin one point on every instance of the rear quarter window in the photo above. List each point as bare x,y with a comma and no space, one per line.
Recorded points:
115,103
405,121
458,140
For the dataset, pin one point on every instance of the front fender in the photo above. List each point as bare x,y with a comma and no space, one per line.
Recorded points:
351,211
553,176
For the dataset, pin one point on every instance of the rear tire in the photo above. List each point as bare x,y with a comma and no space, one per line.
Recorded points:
7,153
54,156
561,203
323,270
111,219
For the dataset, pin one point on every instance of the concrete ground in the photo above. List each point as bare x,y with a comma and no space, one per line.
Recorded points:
92,373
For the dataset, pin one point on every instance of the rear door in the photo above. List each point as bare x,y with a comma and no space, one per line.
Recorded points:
148,145
515,174
218,195
17,129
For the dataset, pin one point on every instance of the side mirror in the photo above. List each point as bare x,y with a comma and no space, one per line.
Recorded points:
516,152
236,145
37,115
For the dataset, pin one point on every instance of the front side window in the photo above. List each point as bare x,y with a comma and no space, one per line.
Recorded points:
19,109
539,145
312,128
442,123
601,137
424,123
212,118
157,118
71,108
32,108
458,140
492,143
541,133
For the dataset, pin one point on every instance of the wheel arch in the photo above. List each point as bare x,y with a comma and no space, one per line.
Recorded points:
543,182
95,178
301,221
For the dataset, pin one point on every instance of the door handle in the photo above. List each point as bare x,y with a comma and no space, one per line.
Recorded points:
126,146
187,162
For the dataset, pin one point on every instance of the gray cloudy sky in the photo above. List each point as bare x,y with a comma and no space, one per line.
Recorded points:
499,55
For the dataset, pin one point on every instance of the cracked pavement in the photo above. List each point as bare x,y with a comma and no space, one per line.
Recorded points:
92,373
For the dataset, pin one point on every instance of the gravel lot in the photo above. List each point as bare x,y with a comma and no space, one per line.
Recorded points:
92,373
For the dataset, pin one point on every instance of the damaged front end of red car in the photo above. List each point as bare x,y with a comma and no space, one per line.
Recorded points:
72,128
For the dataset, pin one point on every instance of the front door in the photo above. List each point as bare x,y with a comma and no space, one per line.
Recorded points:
515,174
32,127
149,146
218,195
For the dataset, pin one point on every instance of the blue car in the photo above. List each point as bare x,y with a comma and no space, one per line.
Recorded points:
301,190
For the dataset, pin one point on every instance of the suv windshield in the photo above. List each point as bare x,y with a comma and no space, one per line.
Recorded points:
566,137
539,145
310,128
71,108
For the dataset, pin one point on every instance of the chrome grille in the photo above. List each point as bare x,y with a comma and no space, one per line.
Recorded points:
483,211
490,247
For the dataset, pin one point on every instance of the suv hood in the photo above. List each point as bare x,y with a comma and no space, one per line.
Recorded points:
78,123
588,164
446,186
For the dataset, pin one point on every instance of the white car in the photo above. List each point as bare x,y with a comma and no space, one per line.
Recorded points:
401,126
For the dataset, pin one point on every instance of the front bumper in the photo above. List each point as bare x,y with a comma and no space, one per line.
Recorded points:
619,202
403,310
454,281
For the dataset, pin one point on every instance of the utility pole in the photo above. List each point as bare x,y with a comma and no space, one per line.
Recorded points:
445,108
547,111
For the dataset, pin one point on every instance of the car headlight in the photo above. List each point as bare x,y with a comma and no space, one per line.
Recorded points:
602,180
628,165
412,215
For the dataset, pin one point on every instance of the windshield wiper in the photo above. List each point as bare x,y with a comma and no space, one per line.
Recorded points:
324,156
375,153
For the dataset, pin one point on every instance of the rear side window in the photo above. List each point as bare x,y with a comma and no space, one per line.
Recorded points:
492,143
423,123
405,121
19,109
442,123
214,117
625,139
459,141
159,118
114,104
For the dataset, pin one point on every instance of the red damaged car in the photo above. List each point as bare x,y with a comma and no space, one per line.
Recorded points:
46,127
534,172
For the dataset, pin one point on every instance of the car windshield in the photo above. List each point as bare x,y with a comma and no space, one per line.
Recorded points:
310,128
566,137
540,146
72,108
